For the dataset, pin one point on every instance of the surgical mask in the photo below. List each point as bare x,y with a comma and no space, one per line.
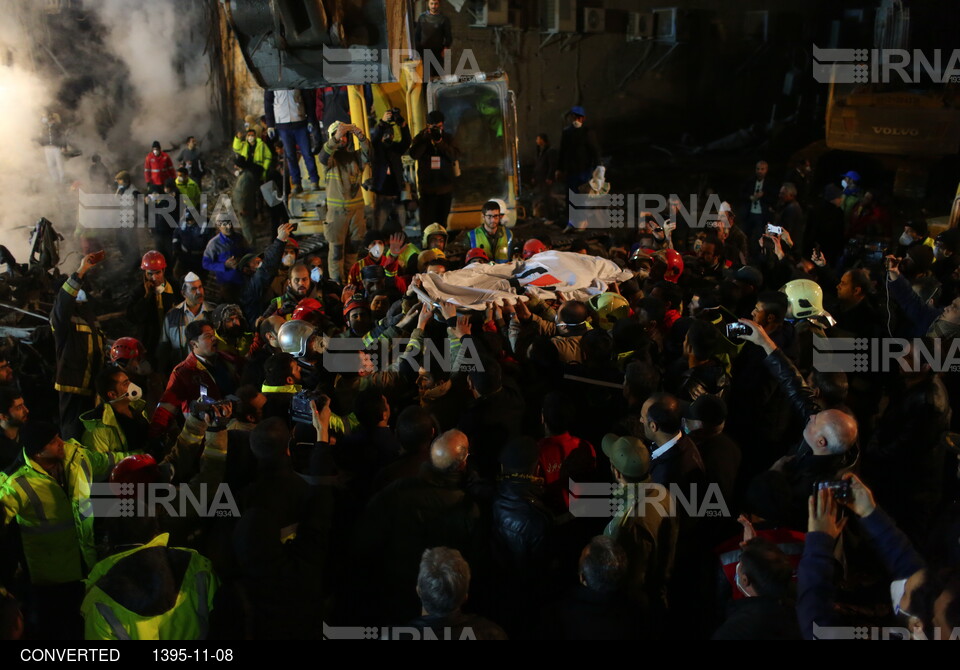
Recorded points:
289,260
316,275
81,296
134,392
897,589
736,579
845,183
236,173
156,152
376,250
578,124
905,239
697,245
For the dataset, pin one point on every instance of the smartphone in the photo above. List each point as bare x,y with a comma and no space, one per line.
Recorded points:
97,256
293,227
774,230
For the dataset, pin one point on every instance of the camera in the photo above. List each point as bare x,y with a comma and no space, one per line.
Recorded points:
436,134
395,116
300,410
206,408
735,330
842,489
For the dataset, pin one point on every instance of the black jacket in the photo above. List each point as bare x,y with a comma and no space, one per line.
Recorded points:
681,464
759,619
388,155
579,150
78,341
489,422
584,614
521,525
423,150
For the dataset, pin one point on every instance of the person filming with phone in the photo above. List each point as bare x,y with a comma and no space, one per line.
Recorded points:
827,447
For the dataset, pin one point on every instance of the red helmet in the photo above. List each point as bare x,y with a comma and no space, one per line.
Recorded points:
307,308
136,469
674,265
476,254
153,260
126,349
532,247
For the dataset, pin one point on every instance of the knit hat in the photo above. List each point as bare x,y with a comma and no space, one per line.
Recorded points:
35,435
225,311
155,145
627,454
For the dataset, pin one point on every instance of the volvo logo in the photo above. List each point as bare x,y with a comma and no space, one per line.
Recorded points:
899,132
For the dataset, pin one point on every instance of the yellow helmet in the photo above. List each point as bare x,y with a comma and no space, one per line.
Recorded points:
610,307
804,298
431,230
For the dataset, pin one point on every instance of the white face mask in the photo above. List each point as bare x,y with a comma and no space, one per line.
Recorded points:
236,173
81,296
376,250
578,124
845,183
316,275
897,589
905,239
736,579
289,260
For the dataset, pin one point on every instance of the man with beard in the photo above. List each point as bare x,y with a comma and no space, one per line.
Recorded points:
193,307
79,348
299,286
233,340
13,414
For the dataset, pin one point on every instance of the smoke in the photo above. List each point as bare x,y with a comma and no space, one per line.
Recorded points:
119,73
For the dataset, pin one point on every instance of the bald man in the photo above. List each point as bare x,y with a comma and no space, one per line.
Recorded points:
448,453
828,446
409,516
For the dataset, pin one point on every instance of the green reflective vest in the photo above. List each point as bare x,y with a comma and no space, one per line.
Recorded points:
103,433
105,619
56,522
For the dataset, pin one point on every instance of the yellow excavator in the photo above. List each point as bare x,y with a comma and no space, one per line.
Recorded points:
289,43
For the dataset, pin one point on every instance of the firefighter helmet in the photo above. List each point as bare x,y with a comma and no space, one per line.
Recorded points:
804,298
294,337
126,349
674,265
532,247
609,308
153,260
136,469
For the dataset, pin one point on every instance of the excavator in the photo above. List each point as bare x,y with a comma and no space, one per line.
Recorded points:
366,46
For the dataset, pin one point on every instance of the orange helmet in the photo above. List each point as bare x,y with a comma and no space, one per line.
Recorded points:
126,349
153,260
674,265
307,309
476,254
532,247
136,469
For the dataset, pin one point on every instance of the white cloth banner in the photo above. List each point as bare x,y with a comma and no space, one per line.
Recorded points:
575,276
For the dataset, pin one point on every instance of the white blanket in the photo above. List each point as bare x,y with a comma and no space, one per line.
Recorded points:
574,276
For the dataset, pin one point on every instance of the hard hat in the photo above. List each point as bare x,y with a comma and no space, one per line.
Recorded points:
674,265
126,349
353,303
334,127
503,206
532,247
294,337
804,298
136,469
476,254
153,260
427,257
609,307
307,308
433,229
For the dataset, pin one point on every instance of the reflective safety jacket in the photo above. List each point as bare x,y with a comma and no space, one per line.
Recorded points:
158,169
56,521
498,248
122,604
78,341
258,154
102,432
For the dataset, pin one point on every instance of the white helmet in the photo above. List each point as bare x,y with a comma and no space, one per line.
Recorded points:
294,337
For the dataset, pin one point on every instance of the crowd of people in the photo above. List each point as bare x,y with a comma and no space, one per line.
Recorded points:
373,483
